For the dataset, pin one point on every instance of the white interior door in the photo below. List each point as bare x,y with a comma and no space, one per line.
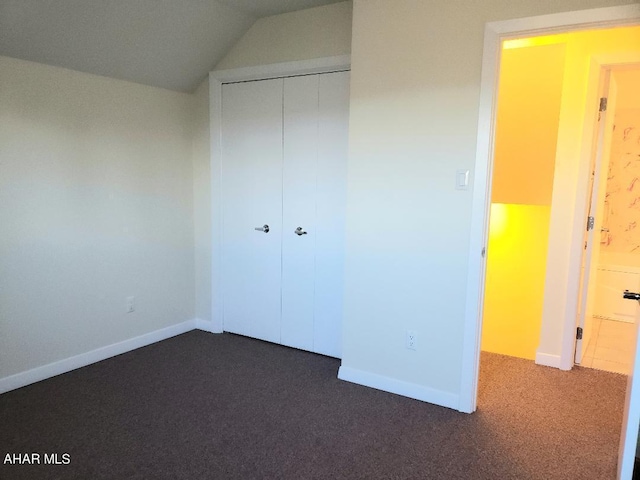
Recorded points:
252,192
333,134
316,117
589,267
284,160
299,210
631,418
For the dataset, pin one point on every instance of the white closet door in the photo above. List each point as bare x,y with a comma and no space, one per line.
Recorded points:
299,210
252,192
331,198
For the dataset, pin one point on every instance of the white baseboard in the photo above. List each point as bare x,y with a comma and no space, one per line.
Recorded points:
62,366
548,360
399,387
207,326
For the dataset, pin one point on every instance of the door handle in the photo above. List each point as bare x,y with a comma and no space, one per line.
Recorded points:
264,228
631,295
299,231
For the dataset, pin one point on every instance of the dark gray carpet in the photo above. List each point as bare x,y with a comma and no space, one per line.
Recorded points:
204,406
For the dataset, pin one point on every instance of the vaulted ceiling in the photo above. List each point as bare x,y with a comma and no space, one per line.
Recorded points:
165,43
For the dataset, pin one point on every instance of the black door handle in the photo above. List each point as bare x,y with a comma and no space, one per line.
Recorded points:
631,295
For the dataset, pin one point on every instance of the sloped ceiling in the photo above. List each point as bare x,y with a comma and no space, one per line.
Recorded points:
164,43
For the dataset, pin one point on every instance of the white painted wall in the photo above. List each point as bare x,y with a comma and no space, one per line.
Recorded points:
202,202
96,204
414,113
301,35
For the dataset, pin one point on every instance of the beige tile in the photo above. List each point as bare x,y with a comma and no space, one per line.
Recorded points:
591,349
595,326
608,366
619,342
613,355
614,328
586,361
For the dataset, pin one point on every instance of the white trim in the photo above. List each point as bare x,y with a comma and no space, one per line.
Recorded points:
205,325
494,33
548,360
216,79
399,387
567,21
68,364
285,69
631,419
479,224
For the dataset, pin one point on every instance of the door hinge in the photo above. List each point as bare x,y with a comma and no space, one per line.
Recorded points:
579,333
590,223
484,250
603,104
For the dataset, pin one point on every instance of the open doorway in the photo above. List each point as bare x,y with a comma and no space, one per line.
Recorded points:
535,131
557,341
615,255
527,122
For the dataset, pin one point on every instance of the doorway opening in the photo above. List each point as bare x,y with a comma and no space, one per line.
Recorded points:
540,79
570,187
614,253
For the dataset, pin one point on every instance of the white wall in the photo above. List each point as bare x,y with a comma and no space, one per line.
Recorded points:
301,35
202,202
414,112
96,204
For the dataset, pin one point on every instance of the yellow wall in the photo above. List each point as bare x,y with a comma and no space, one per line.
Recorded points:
628,81
516,265
529,97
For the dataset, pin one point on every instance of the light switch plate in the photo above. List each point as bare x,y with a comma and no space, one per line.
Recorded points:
462,179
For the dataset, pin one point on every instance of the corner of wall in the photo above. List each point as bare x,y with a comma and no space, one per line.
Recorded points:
200,158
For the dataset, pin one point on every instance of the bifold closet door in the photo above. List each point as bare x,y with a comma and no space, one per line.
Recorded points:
314,199
299,210
331,203
252,192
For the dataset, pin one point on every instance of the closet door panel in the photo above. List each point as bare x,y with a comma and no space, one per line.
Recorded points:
333,136
252,193
299,208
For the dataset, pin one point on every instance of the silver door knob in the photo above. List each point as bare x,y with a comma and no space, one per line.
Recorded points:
264,228
299,231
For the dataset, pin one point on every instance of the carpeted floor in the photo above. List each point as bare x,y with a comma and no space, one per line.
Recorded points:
203,406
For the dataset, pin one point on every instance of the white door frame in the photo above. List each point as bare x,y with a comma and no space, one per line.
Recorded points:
631,419
216,79
495,33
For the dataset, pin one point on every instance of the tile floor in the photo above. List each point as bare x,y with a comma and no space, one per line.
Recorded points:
610,347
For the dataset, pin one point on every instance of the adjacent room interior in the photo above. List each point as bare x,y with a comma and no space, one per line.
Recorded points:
530,107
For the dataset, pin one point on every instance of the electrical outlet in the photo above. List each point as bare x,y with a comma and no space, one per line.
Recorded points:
411,340
131,304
